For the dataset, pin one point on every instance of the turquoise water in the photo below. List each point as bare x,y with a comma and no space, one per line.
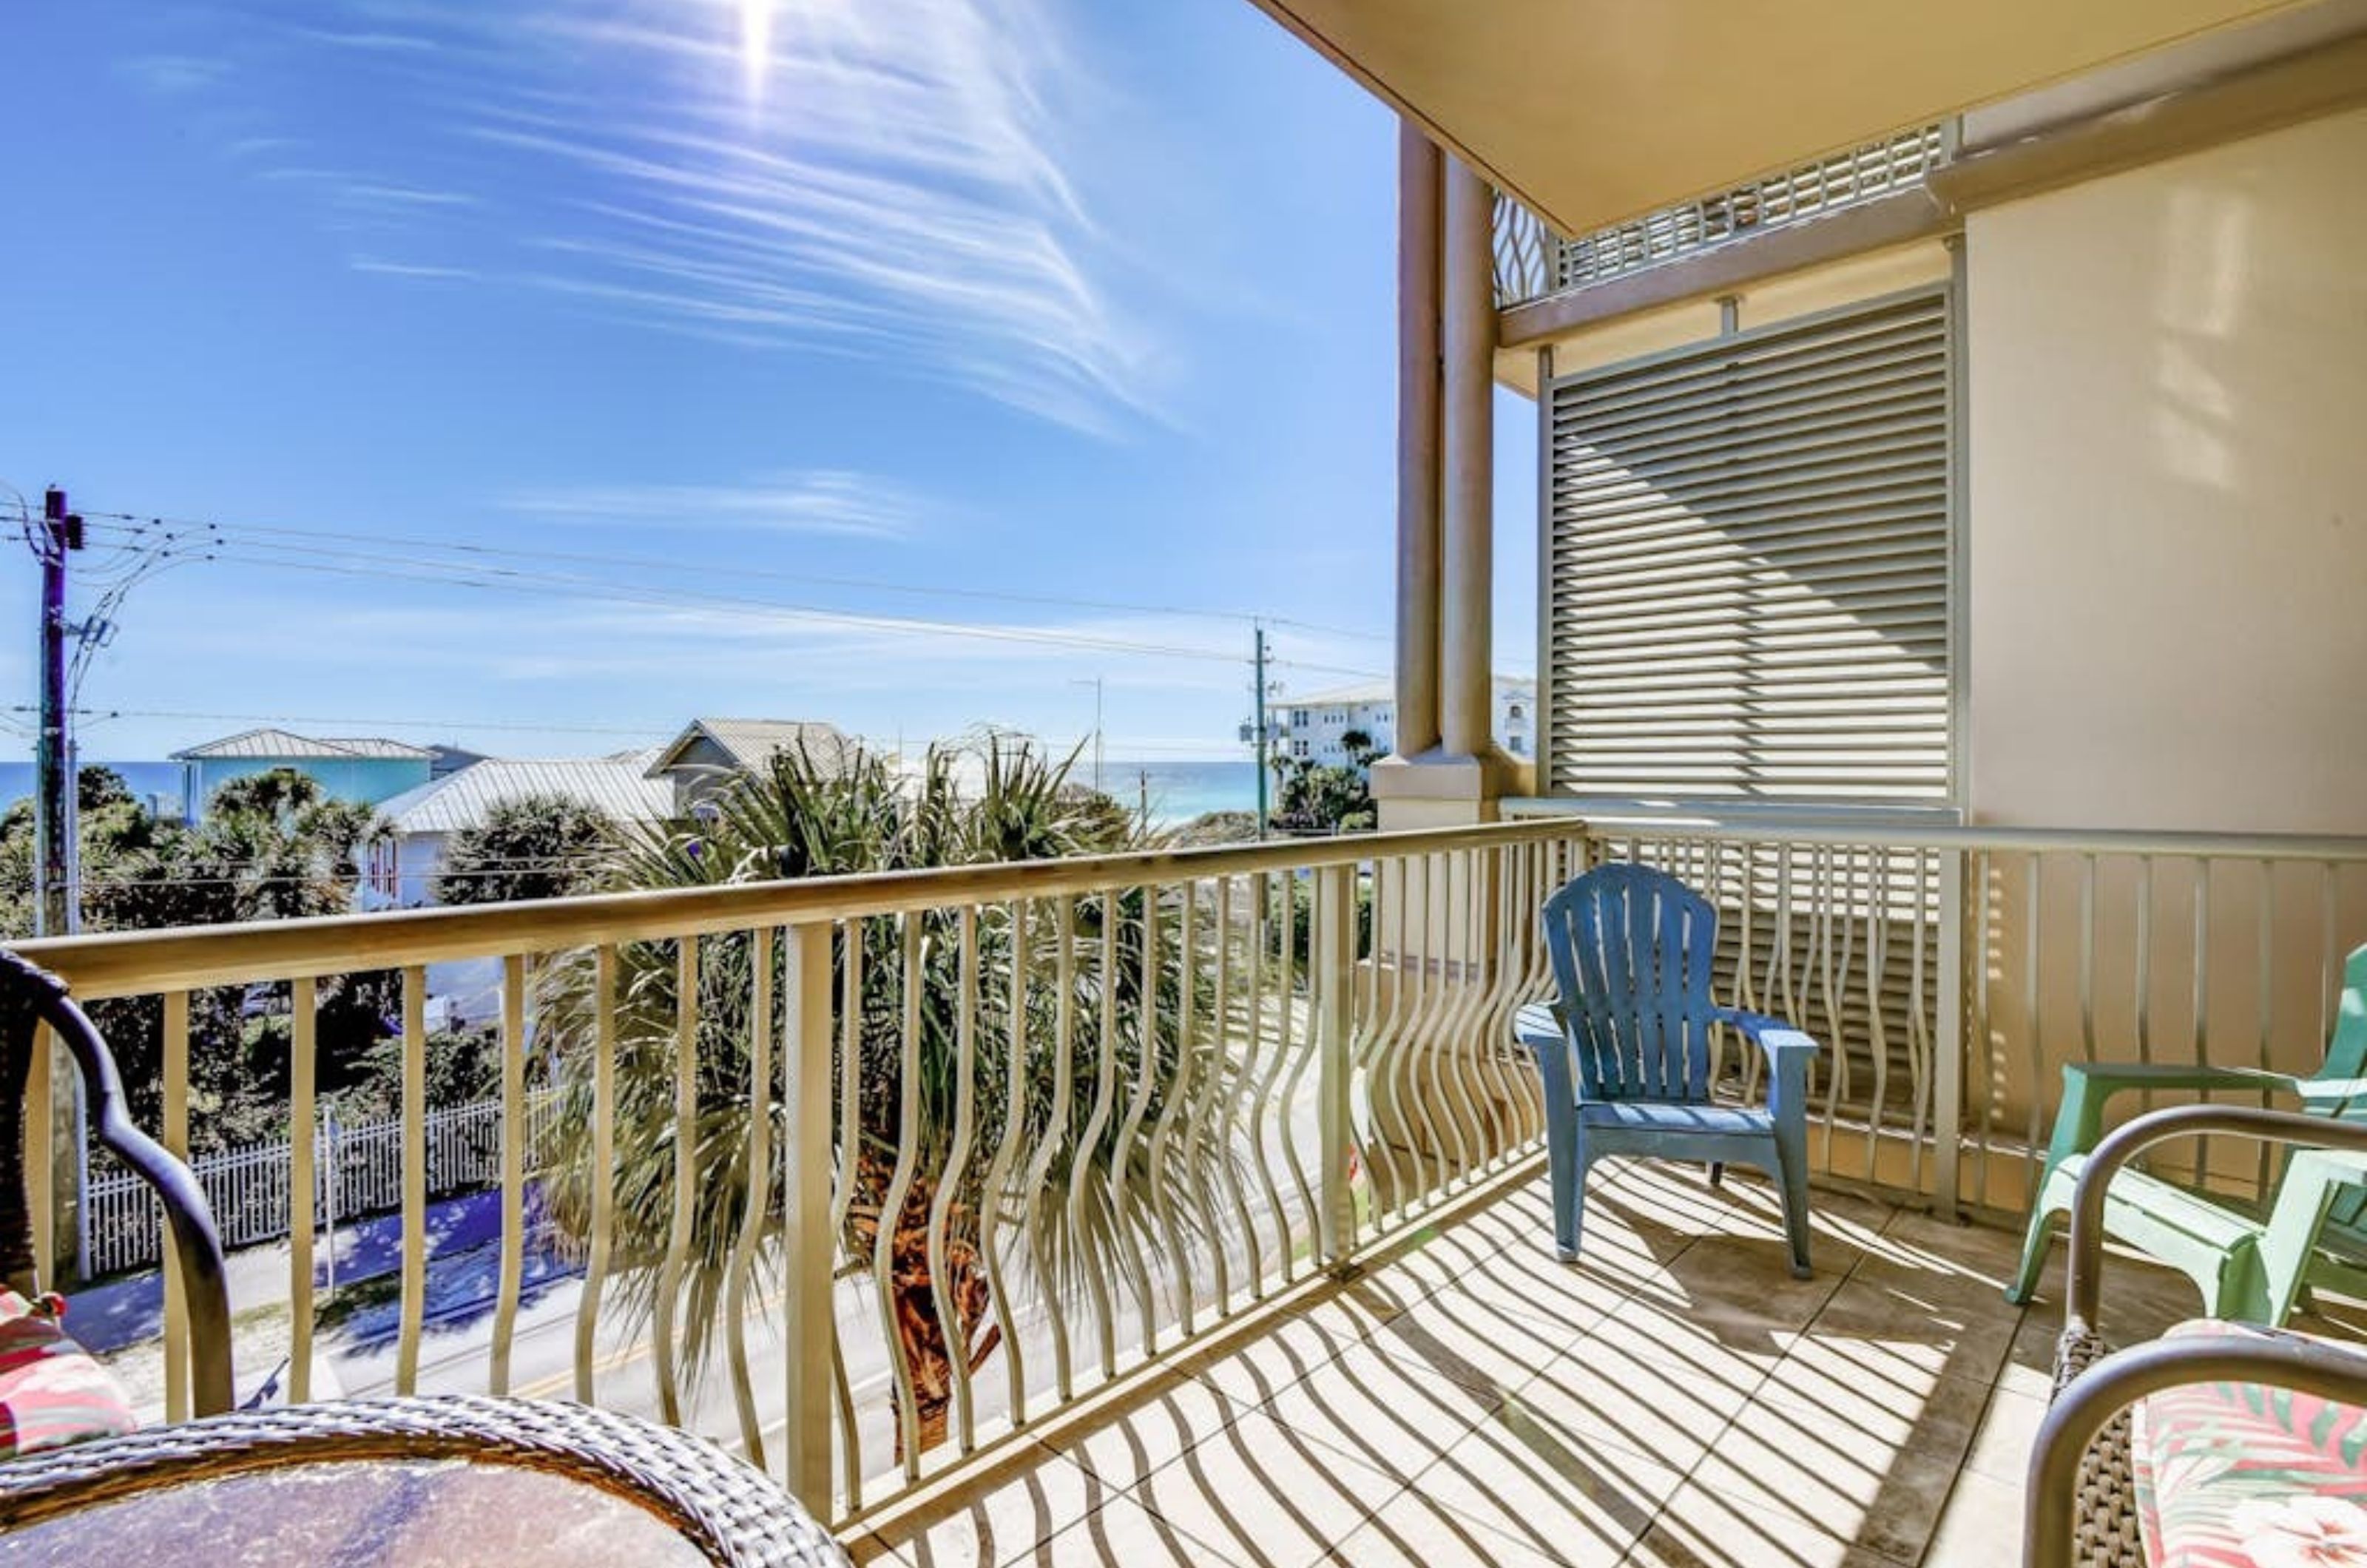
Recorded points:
144,778
1180,791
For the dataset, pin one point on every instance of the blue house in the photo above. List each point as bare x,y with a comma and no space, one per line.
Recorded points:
367,768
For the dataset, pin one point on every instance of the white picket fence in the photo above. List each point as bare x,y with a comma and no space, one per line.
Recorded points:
358,1172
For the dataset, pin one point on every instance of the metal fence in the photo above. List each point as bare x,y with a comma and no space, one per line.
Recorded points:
358,1168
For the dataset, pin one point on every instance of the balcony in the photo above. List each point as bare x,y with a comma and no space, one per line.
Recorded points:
1188,1203
1533,262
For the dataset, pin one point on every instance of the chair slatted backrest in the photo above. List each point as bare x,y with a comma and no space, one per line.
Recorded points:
2346,1060
1631,948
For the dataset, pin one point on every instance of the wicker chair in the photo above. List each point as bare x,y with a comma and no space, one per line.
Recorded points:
733,1514
30,996
2082,1505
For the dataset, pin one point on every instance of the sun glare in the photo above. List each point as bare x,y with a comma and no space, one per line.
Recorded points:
755,42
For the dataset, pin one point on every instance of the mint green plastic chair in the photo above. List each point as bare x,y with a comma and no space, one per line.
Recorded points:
2251,1264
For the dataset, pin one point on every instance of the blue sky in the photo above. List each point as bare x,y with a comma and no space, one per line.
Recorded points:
716,316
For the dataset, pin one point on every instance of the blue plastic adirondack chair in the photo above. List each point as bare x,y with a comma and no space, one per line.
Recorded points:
1631,949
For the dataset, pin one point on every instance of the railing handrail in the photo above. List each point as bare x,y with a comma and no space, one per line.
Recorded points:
192,957
1907,833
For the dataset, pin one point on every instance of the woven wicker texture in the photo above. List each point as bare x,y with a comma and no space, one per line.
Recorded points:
2108,1532
732,1513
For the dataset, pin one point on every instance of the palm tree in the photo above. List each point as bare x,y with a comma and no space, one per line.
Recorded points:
853,813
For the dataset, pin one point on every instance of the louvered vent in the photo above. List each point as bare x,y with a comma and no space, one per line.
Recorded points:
1749,560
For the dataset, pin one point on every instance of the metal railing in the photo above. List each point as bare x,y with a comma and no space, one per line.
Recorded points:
357,1169
871,1173
1952,971
962,1146
1532,262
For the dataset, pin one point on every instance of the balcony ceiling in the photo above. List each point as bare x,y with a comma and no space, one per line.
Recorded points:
1596,110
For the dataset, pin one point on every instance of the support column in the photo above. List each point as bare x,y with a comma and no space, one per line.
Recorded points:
1467,583
1445,769
1420,168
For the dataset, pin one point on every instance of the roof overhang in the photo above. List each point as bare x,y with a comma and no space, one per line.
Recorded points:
1594,111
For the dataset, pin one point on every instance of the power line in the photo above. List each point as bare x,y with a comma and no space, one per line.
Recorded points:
503,578
652,563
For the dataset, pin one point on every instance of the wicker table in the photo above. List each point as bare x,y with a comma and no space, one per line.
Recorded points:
448,1481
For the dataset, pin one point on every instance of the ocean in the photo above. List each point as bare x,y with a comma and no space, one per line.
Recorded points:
145,779
1178,791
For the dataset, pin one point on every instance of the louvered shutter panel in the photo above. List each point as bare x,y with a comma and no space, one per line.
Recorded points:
1749,566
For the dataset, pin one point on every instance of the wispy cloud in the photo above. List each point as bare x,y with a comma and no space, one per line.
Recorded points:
893,174
826,501
170,75
372,193
407,269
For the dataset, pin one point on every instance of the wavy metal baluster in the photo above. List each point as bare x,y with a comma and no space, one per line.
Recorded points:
1416,1111
851,937
1001,1291
1081,1193
1301,1058
1262,969
1169,1171
759,1206
950,1179
1877,952
1209,1153
1226,1116
1128,1227
1371,1054
514,1134
1446,1075
1056,1127
303,1179
1919,1016
603,1164
176,1138
414,1178
685,1229
892,1204
1449,1043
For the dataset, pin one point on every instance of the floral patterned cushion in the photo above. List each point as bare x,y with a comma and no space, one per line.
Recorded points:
2239,1475
52,1391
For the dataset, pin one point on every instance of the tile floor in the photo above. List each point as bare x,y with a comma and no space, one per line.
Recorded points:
1675,1399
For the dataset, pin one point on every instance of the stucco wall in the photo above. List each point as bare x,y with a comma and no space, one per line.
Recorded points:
2168,458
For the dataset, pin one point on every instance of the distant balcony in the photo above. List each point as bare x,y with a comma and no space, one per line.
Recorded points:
1534,262
1188,1207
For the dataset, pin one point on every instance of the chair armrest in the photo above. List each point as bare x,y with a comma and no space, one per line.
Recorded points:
196,1243
2108,1079
2051,1490
1788,1052
1777,1038
2125,1142
2079,1120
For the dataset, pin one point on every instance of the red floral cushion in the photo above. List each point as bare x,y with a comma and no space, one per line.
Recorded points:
52,1391
2241,1475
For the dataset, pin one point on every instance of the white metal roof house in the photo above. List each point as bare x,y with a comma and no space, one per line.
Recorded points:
364,768
710,751
401,872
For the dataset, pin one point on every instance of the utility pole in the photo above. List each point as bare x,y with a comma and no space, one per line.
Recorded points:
53,791
56,905
1258,726
1096,683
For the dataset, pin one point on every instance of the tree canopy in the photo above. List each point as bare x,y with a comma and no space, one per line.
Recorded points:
541,846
